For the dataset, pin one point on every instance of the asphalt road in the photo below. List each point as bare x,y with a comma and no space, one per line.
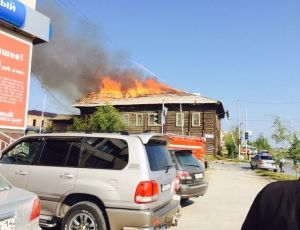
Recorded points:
232,188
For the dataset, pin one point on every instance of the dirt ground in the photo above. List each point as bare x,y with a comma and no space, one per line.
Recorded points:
232,188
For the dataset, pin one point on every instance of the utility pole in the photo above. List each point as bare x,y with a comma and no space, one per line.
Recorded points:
44,104
239,128
162,117
246,131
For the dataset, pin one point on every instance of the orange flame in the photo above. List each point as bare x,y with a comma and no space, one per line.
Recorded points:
117,89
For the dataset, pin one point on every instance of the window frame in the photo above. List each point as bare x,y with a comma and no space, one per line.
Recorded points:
179,118
69,139
194,119
15,144
136,119
155,123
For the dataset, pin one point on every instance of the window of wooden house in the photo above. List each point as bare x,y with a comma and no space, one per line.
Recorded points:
125,119
139,119
34,122
179,119
151,119
196,121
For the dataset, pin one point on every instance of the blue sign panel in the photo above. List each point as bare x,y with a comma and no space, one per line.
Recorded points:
13,12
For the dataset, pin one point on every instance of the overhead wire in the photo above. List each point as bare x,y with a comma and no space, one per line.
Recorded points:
50,93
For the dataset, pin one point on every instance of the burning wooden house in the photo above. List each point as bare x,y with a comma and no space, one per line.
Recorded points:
150,106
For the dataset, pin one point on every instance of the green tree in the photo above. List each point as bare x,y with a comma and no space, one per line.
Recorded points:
261,142
281,136
106,119
79,124
294,150
231,140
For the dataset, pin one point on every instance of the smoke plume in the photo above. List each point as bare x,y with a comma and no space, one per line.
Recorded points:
75,59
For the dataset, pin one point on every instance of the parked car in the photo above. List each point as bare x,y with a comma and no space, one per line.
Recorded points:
263,161
19,209
190,174
96,181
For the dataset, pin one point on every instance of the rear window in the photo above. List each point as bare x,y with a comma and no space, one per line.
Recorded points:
159,157
186,159
266,157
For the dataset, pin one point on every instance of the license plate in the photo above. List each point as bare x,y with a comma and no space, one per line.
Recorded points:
198,176
165,187
8,224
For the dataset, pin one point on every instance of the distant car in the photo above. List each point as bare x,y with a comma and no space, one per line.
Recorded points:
263,161
264,152
190,174
19,209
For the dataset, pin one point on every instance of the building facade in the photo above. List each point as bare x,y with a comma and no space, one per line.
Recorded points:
186,114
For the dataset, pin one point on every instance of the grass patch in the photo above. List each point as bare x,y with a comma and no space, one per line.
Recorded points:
275,175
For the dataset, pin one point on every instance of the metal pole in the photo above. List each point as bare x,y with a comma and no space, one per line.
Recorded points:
239,129
246,130
181,116
44,104
162,117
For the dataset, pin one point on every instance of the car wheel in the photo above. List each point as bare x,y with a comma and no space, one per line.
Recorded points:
84,215
251,166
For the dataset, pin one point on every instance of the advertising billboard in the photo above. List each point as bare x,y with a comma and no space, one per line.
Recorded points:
15,64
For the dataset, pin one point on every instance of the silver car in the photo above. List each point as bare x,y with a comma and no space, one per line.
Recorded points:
19,209
96,181
263,161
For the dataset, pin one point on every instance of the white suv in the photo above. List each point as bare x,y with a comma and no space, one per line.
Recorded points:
96,181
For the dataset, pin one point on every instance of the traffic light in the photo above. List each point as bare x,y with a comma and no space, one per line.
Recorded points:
157,117
246,135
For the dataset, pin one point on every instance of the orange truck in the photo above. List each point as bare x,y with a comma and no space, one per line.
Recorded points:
180,142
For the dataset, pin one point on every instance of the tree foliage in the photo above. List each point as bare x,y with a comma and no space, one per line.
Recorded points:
104,119
79,124
231,140
261,143
281,136
294,150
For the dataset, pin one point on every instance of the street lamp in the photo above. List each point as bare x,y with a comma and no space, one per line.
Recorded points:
44,103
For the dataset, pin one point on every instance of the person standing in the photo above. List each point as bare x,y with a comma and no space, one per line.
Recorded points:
281,163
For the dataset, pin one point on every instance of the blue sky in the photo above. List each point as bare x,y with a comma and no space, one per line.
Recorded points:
228,50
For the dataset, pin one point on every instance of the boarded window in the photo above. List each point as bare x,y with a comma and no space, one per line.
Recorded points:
179,119
196,119
125,119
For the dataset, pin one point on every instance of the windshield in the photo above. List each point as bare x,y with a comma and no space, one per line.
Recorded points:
186,159
4,185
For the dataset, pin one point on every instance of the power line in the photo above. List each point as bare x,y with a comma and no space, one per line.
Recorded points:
270,103
51,94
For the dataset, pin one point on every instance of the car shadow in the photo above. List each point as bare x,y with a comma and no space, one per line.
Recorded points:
246,167
186,203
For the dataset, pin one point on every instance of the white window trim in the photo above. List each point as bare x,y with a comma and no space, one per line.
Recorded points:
149,114
136,119
193,120
178,118
125,118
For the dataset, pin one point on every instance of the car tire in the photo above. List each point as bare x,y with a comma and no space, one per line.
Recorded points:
85,213
183,200
251,166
